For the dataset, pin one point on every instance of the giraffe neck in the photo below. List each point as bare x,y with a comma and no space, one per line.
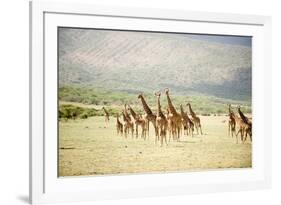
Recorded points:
158,106
191,111
187,117
236,118
126,113
243,117
145,107
170,104
105,111
182,111
124,117
230,111
159,111
133,113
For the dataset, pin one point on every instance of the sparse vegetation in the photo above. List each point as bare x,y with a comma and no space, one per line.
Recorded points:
204,105
69,111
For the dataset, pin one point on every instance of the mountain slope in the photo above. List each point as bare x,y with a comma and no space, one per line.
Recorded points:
141,61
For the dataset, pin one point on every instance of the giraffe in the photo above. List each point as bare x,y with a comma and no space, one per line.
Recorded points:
231,122
175,117
119,126
161,122
128,125
106,115
138,121
248,129
195,119
242,127
170,124
243,117
187,123
128,117
149,115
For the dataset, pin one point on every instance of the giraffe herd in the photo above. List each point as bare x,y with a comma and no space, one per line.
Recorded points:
169,124
172,124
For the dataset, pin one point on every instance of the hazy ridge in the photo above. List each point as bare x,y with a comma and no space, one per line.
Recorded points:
138,61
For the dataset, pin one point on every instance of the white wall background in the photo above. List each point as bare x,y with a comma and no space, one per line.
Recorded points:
14,100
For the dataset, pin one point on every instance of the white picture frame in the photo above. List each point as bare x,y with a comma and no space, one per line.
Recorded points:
46,187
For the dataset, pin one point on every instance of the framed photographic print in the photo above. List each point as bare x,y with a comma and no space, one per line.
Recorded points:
129,102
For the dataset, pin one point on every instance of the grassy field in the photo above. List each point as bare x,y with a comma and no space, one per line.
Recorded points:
87,147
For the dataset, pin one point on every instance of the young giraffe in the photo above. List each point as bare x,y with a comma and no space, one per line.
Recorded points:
187,123
195,119
119,126
128,125
106,115
128,117
175,117
231,122
149,115
248,129
138,121
161,122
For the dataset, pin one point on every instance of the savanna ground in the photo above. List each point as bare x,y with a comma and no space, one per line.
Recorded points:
87,147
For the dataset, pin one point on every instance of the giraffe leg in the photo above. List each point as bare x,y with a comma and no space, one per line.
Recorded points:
155,142
132,130
143,131
169,134
144,128
148,129
178,133
125,131
156,130
250,136
237,135
137,131
200,129
196,126
242,136
245,138
161,138
166,139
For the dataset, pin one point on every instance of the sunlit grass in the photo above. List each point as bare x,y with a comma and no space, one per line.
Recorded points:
90,147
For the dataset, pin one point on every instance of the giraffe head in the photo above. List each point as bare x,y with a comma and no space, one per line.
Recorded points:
140,95
188,104
167,109
129,107
167,91
158,94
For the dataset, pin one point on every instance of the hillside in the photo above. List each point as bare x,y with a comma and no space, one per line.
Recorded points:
138,61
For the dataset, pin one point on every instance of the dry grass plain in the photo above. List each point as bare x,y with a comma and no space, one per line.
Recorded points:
87,147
